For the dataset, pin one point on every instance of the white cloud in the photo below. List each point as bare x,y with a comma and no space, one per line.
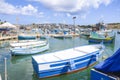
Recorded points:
68,14
83,16
64,21
72,6
55,14
28,10
6,8
40,14
79,8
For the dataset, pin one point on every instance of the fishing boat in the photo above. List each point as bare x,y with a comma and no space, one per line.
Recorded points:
27,36
66,61
109,69
85,32
25,47
118,32
97,37
67,35
61,36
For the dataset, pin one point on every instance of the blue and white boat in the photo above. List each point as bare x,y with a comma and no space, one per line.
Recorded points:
28,36
25,47
109,69
66,61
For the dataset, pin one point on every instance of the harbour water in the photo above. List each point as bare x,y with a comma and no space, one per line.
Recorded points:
20,67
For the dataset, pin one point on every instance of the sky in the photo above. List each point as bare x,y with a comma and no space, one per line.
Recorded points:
60,11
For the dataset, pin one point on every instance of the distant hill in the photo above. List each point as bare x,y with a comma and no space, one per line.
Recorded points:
113,25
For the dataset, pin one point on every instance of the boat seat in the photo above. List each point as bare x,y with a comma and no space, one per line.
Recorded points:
81,51
57,57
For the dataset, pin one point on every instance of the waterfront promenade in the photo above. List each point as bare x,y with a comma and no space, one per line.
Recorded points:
8,38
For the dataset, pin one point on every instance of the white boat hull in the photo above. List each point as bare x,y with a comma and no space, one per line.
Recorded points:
66,61
29,49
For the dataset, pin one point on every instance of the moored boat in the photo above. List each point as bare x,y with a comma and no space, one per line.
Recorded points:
61,36
97,37
25,47
118,32
108,69
66,61
98,40
28,36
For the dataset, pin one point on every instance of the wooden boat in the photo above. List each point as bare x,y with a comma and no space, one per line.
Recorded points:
101,36
62,36
98,40
108,69
118,32
66,61
28,36
25,47
85,32
59,36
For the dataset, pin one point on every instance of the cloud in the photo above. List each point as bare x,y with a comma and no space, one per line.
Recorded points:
58,14
28,10
78,8
6,8
68,14
72,6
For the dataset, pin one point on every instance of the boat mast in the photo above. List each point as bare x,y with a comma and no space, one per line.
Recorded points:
17,19
74,30
5,68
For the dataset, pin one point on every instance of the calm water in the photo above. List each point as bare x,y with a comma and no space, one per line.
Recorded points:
20,67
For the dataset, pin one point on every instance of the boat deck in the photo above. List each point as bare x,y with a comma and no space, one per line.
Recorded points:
65,54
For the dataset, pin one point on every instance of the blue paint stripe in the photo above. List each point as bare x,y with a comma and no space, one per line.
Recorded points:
63,70
77,60
59,64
